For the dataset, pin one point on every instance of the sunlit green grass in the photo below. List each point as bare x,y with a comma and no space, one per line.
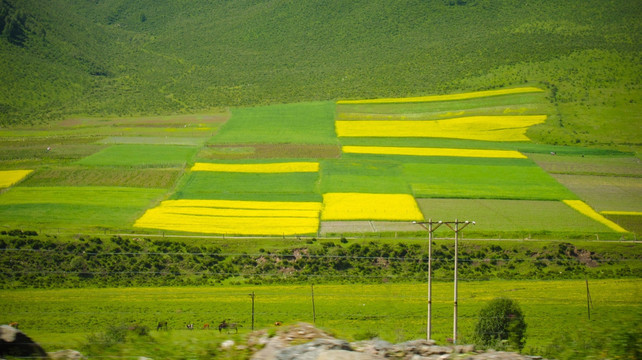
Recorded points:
483,181
142,155
72,207
250,186
393,312
298,123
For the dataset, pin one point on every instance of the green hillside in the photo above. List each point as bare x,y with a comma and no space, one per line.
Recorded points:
118,57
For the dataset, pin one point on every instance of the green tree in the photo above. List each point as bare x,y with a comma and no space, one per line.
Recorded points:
501,324
14,28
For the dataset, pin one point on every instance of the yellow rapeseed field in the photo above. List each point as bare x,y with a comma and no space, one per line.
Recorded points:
629,213
460,96
360,206
233,217
489,128
10,177
418,151
259,168
583,208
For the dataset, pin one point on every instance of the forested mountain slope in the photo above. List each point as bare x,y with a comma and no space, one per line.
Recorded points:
118,57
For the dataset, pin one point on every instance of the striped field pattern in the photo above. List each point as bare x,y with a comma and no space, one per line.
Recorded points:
233,217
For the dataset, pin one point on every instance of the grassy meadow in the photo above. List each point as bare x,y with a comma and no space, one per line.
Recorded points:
553,310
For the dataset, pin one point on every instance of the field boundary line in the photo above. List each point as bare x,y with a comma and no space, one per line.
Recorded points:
447,97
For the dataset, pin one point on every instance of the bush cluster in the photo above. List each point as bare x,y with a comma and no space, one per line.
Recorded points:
501,325
44,261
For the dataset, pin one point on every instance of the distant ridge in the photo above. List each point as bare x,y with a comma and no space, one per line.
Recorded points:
106,58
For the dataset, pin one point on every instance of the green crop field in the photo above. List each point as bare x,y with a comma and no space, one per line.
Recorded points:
632,222
142,155
75,206
553,310
362,175
103,176
510,215
150,140
25,154
479,181
302,123
589,165
269,151
250,186
606,193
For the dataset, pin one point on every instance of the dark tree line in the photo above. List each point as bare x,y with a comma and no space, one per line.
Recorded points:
12,23
29,260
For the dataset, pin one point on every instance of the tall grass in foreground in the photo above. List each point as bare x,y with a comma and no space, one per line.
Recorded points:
553,310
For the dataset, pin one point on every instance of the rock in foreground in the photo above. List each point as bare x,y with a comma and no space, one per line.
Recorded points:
305,342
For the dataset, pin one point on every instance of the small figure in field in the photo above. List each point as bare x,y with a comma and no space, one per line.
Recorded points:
206,327
162,325
225,325
278,323
190,326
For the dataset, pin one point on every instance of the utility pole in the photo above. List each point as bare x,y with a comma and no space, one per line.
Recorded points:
314,312
430,229
589,301
456,229
252,296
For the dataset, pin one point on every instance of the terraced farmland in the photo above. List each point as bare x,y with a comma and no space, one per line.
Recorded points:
323,168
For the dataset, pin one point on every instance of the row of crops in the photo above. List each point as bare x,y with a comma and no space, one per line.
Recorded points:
311,168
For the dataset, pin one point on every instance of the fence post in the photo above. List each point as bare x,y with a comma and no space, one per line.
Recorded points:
252,296
314,312
588,298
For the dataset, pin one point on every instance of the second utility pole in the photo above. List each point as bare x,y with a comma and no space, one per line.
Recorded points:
456,229
430,229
